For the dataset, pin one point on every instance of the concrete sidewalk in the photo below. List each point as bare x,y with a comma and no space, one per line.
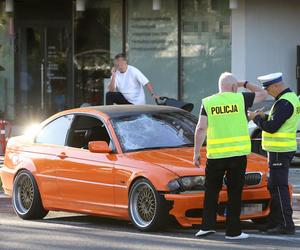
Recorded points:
294,179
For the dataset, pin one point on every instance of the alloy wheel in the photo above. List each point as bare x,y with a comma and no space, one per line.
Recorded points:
143,204
23,194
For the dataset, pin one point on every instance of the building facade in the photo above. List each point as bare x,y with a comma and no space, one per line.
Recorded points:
57,54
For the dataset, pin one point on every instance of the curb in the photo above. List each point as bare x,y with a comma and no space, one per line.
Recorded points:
296,201
3,196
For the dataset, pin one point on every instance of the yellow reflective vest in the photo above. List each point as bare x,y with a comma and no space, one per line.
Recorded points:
283,140
227,131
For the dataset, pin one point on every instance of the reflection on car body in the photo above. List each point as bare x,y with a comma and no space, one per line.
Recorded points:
122,161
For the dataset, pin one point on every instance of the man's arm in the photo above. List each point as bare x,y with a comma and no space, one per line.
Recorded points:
112,85
144,81
200,134
283,110
151,90
260,94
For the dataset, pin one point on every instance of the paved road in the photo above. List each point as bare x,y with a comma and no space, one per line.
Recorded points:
73,231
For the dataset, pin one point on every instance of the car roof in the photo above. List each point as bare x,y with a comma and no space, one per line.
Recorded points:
115,111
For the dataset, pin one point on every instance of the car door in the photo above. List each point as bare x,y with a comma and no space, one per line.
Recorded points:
85,178
45,154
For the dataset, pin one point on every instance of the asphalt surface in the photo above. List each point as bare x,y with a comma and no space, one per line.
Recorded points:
72,231
60,230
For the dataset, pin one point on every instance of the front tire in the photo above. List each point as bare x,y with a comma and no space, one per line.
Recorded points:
147,209
26,197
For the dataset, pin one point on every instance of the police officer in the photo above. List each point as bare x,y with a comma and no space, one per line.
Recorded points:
223,118
279,140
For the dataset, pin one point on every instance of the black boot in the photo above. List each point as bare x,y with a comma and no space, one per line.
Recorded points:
267,227
282,230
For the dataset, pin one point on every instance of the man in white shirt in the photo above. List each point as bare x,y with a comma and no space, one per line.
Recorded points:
127,84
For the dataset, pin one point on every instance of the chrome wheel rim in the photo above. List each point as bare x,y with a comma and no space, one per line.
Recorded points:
23,194
143,204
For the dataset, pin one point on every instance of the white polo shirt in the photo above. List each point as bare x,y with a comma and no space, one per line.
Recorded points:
131,84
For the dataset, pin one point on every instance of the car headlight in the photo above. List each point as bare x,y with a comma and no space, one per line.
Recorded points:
173,185
188,183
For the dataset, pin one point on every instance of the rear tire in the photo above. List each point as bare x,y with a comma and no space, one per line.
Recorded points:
147,208
26,197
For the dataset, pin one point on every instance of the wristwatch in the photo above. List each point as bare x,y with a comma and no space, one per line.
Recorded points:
246,82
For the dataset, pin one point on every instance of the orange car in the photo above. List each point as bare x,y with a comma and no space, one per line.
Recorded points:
122,161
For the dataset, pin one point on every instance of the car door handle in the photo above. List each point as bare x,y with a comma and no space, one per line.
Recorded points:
62,155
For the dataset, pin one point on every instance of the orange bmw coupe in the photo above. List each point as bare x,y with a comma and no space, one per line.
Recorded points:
122,161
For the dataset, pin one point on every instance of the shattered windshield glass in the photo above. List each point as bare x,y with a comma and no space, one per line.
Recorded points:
159,130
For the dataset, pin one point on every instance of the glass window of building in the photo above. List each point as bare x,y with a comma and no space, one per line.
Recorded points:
98,38
43,54
206,48
6,65
55,55
153,44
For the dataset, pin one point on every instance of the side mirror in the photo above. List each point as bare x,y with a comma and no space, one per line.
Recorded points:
99,147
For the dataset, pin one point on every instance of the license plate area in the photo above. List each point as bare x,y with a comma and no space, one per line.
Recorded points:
251,208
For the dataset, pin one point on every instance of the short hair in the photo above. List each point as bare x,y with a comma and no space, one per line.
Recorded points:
121,55
227,78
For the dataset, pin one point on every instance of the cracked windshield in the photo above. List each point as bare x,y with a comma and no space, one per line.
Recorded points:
160,130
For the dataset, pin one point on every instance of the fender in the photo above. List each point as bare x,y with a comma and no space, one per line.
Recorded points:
155,178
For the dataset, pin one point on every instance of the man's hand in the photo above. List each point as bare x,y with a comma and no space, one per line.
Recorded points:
252,115
197,161
112,85
154,96
113,72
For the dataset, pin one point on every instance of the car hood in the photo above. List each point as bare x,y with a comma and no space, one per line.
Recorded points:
179,160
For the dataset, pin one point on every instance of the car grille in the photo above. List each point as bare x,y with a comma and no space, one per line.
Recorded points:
251,179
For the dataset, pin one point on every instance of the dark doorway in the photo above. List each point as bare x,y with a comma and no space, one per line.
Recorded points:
92,54
43,75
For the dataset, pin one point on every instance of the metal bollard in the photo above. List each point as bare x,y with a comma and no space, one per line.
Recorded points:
5,132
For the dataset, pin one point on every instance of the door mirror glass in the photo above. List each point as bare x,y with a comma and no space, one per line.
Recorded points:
99,147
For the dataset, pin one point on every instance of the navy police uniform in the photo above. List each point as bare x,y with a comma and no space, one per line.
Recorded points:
280,218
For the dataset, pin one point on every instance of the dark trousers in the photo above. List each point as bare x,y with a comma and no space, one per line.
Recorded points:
115,97
281,209
234,169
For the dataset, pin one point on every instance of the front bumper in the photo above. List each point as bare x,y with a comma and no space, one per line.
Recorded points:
7,177
187,208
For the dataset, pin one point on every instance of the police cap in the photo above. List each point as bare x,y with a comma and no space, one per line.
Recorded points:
268,80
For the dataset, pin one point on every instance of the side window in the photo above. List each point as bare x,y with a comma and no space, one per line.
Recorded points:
55,132
85,129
